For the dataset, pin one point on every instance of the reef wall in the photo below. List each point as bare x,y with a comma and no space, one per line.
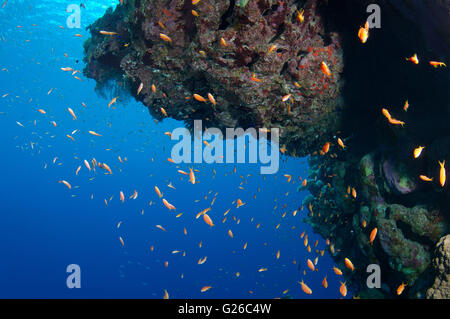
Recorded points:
441,286
410,214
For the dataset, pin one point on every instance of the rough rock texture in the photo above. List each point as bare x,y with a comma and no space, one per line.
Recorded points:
196,62
441,263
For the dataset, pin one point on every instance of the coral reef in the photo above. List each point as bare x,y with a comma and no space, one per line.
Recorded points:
405,237
219,52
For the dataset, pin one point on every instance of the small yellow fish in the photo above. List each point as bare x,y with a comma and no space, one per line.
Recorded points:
442,174
165,37
414,59
418,151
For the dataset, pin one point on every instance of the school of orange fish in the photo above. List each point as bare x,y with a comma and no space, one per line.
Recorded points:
209,217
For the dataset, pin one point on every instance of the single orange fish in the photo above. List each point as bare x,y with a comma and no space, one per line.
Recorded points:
305,288
191,176
442,175
363,32
206,288
325,69
414,59
326,147
400,289
325,282
426,178
165,37
373,234
337,271
168,205
208,220
436,64
349,264
199,98
343,289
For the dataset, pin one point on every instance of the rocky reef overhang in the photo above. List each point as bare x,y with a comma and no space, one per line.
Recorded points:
248,57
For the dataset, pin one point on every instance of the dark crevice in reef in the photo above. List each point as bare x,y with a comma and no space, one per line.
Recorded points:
284,68
270,10
225,19
280,31
190,28
411,235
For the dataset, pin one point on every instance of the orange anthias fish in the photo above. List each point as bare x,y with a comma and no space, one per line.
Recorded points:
343,289
300,16
141,86
108,32
337,271
326,147
436,64
373,234
94,133
426,178
286,97
391,119
208,220
442,175
212,99
325,282
191,176
165,37
254,78
325,69
363,32
310,265
199,98
400,289
160,227
406,106
239,203
206,288
414,59
353,192
349,264
305,288
272,48
72,113
168,205
158,192
114,100
66,183
418,151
